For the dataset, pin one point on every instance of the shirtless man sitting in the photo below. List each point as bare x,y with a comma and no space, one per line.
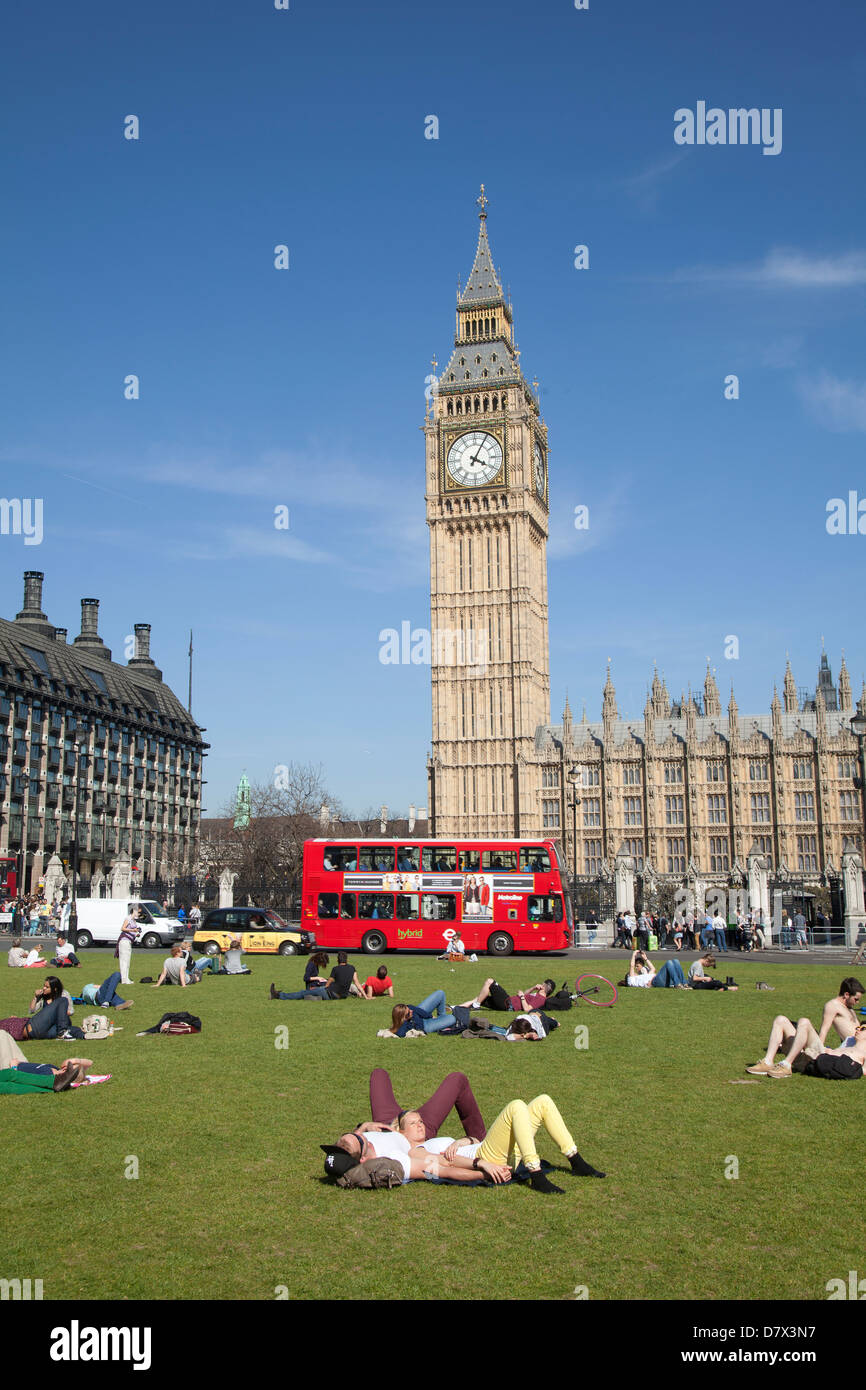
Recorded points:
843,1063
801,1043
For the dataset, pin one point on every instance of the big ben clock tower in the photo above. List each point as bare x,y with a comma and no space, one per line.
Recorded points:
487,509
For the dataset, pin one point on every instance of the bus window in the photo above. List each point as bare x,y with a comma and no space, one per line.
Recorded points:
505,860
407,907
439,907
544,909
470,861
376,859
376,905
342,858
439,859
328,904
408,859
347,906
534,859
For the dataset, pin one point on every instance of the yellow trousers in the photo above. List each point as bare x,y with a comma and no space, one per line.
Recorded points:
516,1127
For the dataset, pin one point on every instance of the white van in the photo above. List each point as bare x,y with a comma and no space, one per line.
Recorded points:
100,919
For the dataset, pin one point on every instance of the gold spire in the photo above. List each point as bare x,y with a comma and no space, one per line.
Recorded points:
482,202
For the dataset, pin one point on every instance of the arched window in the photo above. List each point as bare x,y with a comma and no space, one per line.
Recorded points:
450,407
459,406
504,400
477,404
495,402
486,403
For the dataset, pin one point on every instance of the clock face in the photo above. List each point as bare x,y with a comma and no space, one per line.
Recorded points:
475,458
539,470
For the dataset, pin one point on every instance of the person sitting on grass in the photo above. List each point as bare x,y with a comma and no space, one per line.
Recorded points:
492,996
232,964
49,1006
314,968
838,1013
455,950
380,983
342,982
642,973
698,978
63,953
173,968
423,1157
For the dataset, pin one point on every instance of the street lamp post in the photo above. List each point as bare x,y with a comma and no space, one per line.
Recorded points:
574,777
73,909
858,728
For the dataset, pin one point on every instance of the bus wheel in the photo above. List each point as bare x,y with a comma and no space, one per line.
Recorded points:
374,943
500,944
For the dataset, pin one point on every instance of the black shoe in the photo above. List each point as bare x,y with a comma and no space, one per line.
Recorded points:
539,1183
274,994
582,1169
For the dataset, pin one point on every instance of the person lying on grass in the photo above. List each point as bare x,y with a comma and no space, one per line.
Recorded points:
422,1157
28,1078
642,973
837,1013
808,1056
525,1028
492,996
430,1016
380,983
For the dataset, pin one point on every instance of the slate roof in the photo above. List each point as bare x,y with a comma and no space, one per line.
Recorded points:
483,286
487,351
86,671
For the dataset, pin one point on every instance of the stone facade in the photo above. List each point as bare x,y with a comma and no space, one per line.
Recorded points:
487,510
140,760
687,793
689,789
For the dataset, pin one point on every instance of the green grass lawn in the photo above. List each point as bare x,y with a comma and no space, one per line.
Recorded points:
225,1126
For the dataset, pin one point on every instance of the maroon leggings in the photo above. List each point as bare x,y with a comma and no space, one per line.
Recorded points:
454,1091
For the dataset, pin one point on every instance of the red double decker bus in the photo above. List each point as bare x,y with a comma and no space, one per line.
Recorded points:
385,895
8,876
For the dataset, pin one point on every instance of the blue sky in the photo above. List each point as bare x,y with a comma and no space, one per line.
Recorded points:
305,387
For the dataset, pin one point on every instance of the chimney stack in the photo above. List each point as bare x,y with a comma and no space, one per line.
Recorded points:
61,634
89,639
142,661
31,614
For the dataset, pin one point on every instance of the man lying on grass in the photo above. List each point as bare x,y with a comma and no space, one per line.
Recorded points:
422,1157
801,1044
843,1063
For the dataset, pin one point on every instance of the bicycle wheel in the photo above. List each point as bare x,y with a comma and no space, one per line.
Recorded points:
595,989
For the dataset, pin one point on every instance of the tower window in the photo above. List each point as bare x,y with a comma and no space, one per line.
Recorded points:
493,357
478,361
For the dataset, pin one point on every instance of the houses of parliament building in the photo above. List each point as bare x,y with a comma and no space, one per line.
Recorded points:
682,788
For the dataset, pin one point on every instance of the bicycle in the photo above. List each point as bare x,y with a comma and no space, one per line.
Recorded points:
595,989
